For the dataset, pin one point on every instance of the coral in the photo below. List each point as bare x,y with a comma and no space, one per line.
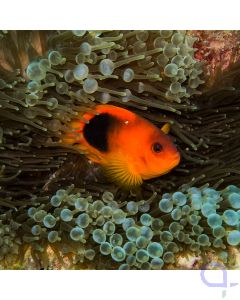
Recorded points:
48,78
218,48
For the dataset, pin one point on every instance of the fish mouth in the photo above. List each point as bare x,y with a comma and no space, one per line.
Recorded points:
174,163
170,167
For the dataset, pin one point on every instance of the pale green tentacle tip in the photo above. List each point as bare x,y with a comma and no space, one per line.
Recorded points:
147,232
83,220
105,248
118,254
142,255
85,48
233,238
77,233
99,236
80,72
81,204
106,211
155,249
79,33
109,228
52,103
166,33
171,70
62,88
179,198
128,75
219,231
168,257
34,72
133,233
146,219
234,200
106,67
56,201
90,85
116,239
31,211
55,58
39,215
107,196
208,209
177,38
36,230
230,217
157,263
132,207
142,242
49,221
130,248
203,240
124,267
131,260
53,236
119,216
66,215
157,224
214,220
166,236
90,254
165,205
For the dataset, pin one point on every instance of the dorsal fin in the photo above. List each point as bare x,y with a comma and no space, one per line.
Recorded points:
166,128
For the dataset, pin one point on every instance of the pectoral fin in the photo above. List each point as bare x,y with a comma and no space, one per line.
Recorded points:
119,172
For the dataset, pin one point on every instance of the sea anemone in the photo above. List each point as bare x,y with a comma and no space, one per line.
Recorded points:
146,234
47,78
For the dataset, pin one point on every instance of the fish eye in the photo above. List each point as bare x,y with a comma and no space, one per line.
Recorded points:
156,147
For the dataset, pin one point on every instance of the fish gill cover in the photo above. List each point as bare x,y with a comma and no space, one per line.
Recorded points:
54,200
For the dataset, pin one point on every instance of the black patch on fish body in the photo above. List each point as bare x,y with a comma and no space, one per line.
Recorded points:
96,131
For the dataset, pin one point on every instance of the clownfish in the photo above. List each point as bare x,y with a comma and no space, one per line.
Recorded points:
128,147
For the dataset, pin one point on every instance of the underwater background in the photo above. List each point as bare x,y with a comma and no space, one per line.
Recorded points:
57,210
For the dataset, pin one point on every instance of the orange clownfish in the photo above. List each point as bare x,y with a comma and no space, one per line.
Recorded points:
130,148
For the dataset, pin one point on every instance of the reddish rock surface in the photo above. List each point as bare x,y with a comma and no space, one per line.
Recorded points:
217,48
